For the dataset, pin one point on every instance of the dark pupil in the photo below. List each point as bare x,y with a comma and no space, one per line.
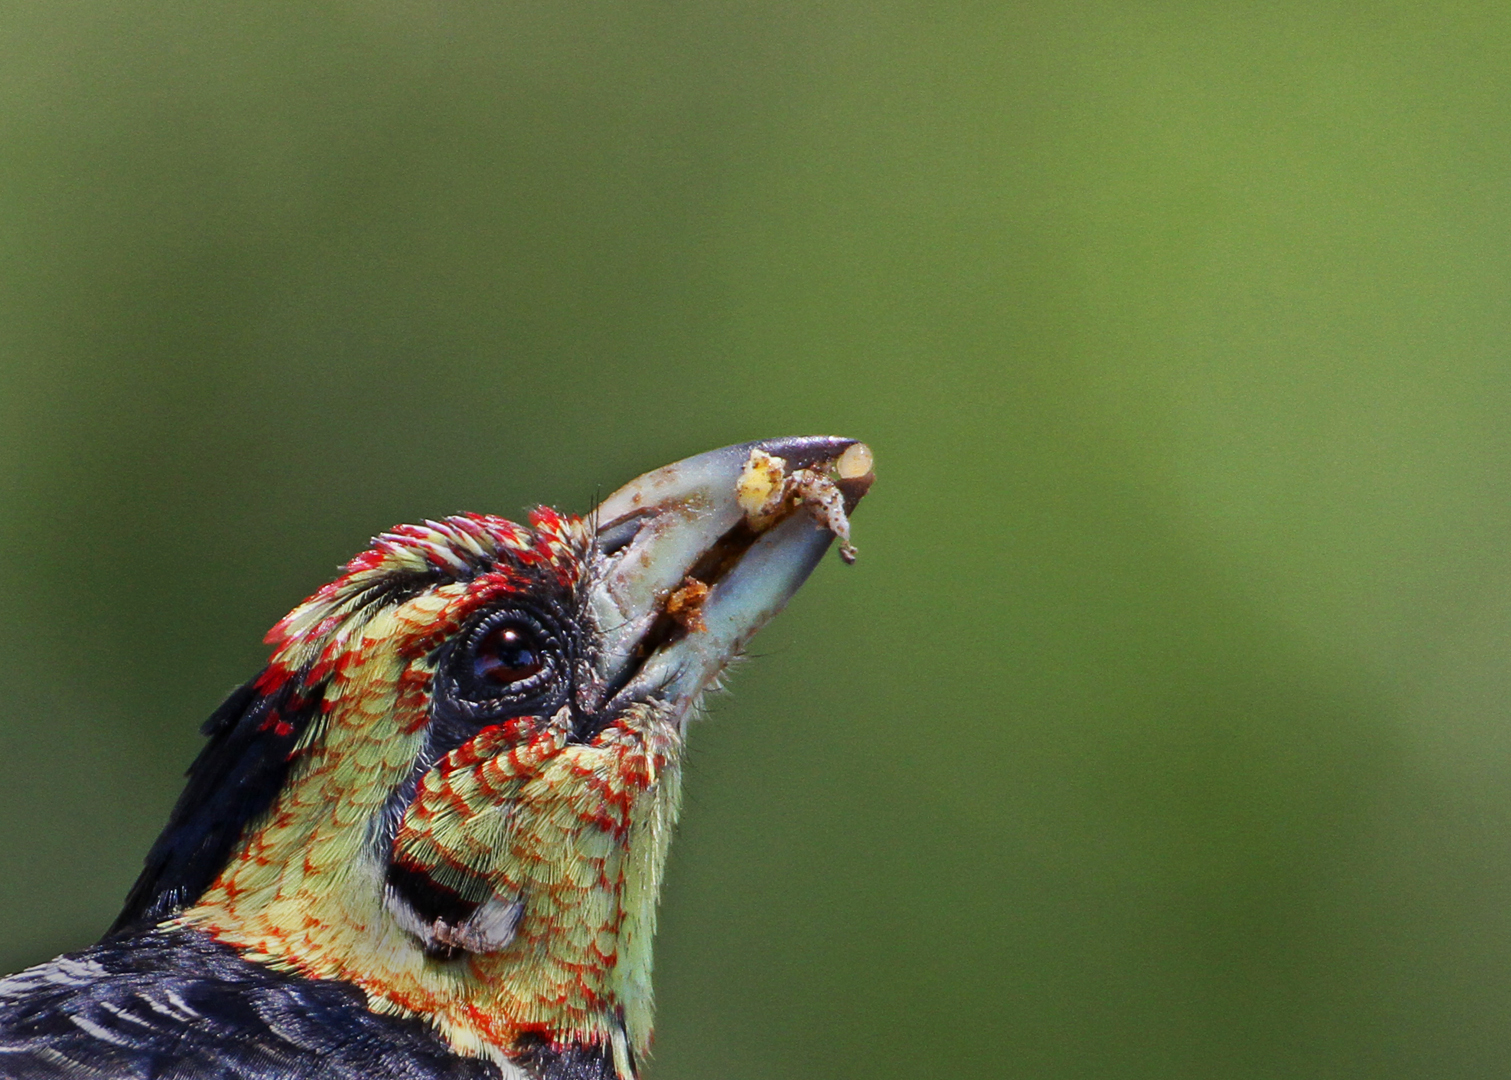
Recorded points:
506,656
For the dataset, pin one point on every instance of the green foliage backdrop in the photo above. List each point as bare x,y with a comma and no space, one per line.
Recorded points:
1162,729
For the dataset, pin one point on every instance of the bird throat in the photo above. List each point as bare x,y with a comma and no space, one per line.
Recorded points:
567,840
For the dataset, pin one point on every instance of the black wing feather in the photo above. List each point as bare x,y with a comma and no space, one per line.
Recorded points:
171,1004
235,778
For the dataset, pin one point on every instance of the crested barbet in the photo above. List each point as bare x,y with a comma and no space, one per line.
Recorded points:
428,839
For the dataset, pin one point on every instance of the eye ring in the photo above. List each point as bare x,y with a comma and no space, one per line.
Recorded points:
508,660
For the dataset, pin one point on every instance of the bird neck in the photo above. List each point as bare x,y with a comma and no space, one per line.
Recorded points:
583,845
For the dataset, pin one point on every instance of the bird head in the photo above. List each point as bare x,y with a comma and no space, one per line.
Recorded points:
455,782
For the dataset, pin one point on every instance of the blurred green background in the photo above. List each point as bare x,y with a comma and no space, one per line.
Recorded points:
1162,729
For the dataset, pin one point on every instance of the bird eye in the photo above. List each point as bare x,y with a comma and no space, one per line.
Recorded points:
509,662
506,655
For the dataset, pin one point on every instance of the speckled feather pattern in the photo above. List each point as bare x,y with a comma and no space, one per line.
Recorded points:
575,832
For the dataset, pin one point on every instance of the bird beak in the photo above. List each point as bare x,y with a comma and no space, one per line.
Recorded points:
693,558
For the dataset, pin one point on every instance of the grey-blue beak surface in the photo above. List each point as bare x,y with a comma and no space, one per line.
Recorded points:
695,557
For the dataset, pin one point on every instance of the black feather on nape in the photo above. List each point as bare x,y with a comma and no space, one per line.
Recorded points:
233,780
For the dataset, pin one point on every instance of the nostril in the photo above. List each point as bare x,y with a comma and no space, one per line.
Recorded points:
615,536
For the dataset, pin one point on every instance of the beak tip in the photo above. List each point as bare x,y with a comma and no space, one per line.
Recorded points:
804,451
745,524
855,472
